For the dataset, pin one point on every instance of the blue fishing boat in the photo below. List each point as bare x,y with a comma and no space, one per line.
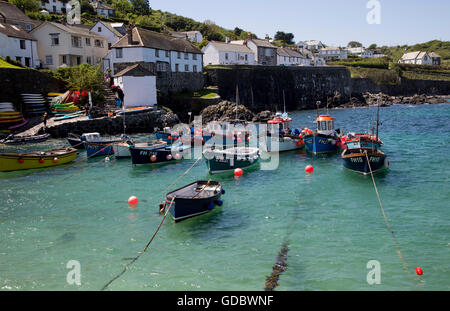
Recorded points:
194,199
157,155
324,139
226,160
97,146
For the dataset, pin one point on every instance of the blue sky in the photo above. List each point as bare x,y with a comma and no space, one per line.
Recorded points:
334,22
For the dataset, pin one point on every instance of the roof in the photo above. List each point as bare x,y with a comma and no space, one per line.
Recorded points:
263,43
330,48
98,5
136,70
433,54
76,30
313,42
325,118
183,33
14,31
289,52
413,55
155,40
11,12
110,27
229,47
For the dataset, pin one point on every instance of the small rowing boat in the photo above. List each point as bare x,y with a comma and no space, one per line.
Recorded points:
226,160
39,159
194,199
18,140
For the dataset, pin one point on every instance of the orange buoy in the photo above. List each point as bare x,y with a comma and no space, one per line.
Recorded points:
153,158
238,172
309,169
419,271
132,200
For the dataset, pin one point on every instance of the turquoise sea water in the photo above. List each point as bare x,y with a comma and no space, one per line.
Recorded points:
331,219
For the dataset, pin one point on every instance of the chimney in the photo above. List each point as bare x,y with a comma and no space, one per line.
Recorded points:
130,33
267,38
227,40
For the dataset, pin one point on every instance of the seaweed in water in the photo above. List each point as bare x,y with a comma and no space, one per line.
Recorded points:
279,267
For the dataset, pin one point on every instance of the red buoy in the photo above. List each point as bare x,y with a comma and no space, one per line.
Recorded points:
21,160
238,172
419,271
309,169
41,160
133,200
102,150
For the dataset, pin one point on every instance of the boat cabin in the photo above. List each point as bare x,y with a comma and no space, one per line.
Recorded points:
325,125
91,137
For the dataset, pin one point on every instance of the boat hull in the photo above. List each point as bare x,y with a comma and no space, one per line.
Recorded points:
320,144
25,161
187,207
284,144
27,139
357,162
98,149
218,162
153,156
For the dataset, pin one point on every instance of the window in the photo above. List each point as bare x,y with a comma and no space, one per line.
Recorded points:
64,59
119,53
177,67
18,58
246,57
194,68
76,42
89,60
109,46
27,61
98,43
226,56
99,29
167,53
178,54
28,27
186,55
186,67
78,60
88,41
157,53
194,56
22,45
49,60
54,39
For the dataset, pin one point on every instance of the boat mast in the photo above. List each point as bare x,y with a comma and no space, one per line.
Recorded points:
237,101
284,102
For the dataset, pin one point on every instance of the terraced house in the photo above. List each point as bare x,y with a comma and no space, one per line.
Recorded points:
156,51
67,45
17,44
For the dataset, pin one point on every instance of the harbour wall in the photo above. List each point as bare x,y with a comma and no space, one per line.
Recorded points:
261,87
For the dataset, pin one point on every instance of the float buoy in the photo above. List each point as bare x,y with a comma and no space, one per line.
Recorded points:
419,271
153,158
169,157
309,169
102,150
132,200
20,160
41,160
238,172
55,160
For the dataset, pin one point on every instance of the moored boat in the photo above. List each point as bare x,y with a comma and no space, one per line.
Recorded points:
39,159
284,140
194,199
97,146
17,140
226,160
157,155
365,161
122,149
324,139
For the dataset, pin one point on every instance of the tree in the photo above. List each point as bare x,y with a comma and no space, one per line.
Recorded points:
238,31
140,7
354,44
287,38
27,5
372,46
86,7
123,6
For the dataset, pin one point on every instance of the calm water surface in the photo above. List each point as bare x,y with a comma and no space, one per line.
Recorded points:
331,219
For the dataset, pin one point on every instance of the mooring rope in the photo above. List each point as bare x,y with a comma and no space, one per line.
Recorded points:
133,260
397,244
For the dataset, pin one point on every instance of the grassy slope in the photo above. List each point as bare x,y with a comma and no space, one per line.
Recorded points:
5,64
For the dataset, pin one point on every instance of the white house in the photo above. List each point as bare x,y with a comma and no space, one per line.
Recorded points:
318,60
313,45
62,44
332,53
265,52
102,9
194,36
105,29
221,53
54,6
416,58
158,52
10,14
138,85
18,45
361,52
290,57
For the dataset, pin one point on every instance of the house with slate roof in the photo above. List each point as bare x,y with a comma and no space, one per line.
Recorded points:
18,44
221,53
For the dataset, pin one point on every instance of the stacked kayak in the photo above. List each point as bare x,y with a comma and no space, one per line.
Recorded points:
34,104
63,103
10,119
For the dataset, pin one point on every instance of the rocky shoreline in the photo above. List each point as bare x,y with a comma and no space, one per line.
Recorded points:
385,100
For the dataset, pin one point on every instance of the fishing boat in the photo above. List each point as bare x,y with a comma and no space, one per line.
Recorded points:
18,140
157,155
39,159
194,199
283,140
97,146
76,141
122,149
135,110
324,139
229,159
362,152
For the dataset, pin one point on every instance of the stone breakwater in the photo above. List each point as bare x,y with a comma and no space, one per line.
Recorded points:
369,99
137,123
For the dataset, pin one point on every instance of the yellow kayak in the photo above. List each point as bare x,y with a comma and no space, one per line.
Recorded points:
30,160
55,94
9,113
